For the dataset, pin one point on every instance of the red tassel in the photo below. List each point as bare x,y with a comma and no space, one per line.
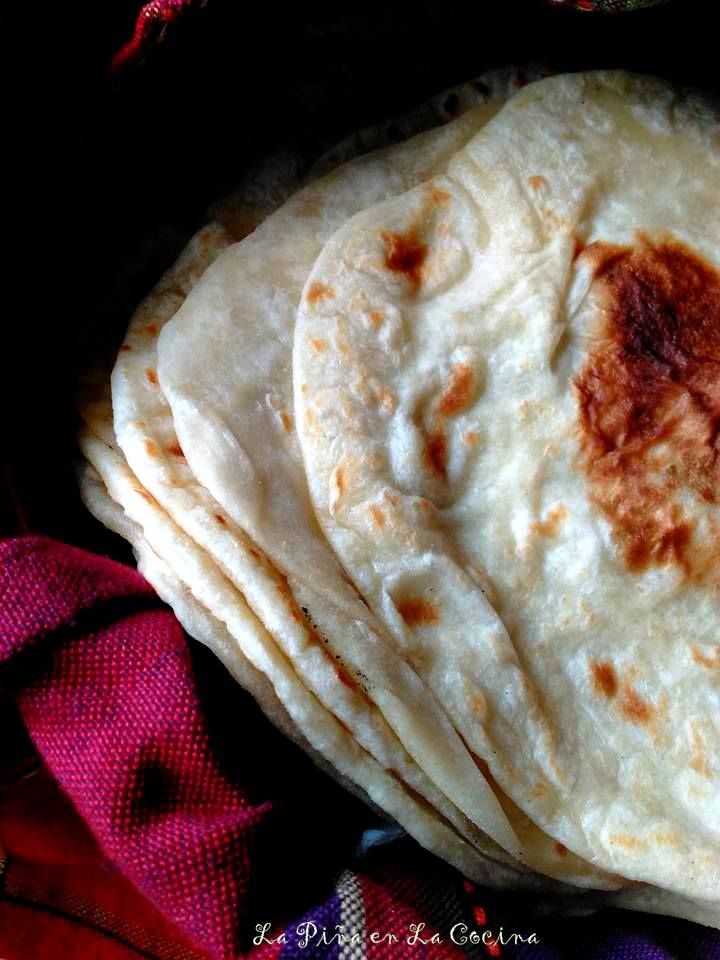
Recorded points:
153,20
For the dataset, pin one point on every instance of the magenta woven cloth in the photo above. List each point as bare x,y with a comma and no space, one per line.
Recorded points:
606,6
103,679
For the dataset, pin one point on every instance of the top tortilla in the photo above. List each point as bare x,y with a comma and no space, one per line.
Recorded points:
506,397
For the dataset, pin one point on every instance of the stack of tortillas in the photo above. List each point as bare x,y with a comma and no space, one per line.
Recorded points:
430,460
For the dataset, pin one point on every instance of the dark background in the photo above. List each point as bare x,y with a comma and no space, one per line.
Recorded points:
103,173
105,178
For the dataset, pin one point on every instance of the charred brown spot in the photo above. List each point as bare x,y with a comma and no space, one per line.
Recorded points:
578,247
317,292
626,840
152,377
603,678
176,450
221,520
318,345
649,402
405,254
340,479
537,182
471,438
459,391
345,678
151,448
387,399
376,319
283,588
699,761
152,329
436,454
550,526
287,421
711,661
378,517
634,708
560,849
436,197
126,348
418,612
455,398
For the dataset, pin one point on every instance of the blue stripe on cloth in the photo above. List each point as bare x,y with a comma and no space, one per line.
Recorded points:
305,938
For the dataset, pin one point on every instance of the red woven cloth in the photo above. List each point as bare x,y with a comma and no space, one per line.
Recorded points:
115,715
139,833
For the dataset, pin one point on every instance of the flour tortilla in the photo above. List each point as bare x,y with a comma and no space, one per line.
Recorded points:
202,592
204,627
489,473
195,620
137,395
224,604
145,432
223,365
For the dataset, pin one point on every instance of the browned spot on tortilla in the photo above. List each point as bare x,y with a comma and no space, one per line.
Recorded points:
603,677
287,421
254,553
712,661
221,520
649,403
146,496
699,759
376,318
537,182
152,329
283,588
436,196
387,398
550,526
560,849
471,438
339,477
478,705
668,838
627,840
176,450
345,678
126,348
634,708
458,393
152,377
319,346
578,247
151,448
454,398
405,254
436,453
418,612
317,292
378,516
